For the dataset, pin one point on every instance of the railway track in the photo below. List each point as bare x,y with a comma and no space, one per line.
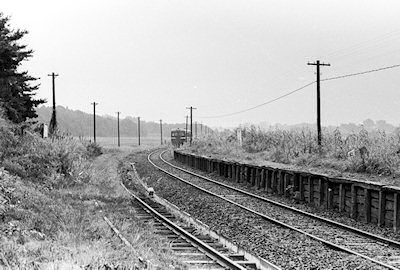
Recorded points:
197,250
380,251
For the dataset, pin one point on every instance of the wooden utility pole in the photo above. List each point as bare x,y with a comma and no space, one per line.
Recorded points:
94,121
191,123
118,128
318,64
53,120
186,130
161,131
138,123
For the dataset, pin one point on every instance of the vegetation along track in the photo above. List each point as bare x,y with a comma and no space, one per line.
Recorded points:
380,251
199,251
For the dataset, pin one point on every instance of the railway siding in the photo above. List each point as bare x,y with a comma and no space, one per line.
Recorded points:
362,200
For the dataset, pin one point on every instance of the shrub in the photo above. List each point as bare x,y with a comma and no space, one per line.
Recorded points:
93,149
56,161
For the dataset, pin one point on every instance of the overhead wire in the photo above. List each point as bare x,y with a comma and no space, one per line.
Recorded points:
301,88
262,104
367,44
360,73
369,49
367,59
356,48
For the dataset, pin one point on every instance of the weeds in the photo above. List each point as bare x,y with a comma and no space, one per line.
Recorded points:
93,150
363,152
53,196
60,161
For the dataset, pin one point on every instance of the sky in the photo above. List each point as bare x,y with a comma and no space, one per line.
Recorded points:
154,58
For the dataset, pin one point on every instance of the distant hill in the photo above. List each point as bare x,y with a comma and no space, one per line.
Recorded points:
78,123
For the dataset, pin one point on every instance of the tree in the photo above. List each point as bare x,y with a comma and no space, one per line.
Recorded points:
368,123
16,89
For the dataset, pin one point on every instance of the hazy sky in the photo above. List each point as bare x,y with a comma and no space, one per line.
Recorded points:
154,58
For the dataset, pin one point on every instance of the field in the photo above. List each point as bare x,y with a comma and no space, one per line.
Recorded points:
368,155
131,141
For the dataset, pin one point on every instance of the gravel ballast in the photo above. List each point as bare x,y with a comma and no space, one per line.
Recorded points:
281,246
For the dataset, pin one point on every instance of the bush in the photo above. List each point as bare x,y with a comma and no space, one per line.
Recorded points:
56,161
93,150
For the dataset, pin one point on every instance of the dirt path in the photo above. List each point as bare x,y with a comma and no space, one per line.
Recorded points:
69,229
105,178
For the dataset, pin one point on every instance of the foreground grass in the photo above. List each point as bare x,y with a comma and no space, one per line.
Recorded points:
63,228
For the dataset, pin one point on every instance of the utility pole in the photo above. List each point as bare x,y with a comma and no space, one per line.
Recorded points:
161,130
94,121
53,120
118,128
138,123
191,123
186,130
195,129
318,64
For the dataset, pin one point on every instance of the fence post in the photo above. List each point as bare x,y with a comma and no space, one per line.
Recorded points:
367,205
396,219
381,209
301,187
353,210
310,190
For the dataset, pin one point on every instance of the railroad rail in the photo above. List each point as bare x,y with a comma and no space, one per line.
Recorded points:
376,249
199,251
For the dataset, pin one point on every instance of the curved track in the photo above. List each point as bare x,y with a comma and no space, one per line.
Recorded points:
203,253
381,251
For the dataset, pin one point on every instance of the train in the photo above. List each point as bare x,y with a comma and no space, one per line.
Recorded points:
178,136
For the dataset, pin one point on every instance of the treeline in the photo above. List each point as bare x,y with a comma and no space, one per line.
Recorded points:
349,128
78,123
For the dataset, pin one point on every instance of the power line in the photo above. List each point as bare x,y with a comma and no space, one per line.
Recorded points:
161,131
119,143
138,124
318,64
53,120
360,73
262,104
301,88
94,120
367,44
191,123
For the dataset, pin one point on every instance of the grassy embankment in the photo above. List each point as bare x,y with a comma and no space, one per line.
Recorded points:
363,155
53,197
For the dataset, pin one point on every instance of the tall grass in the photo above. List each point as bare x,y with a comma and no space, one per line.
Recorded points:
56,161
363,152
56,198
